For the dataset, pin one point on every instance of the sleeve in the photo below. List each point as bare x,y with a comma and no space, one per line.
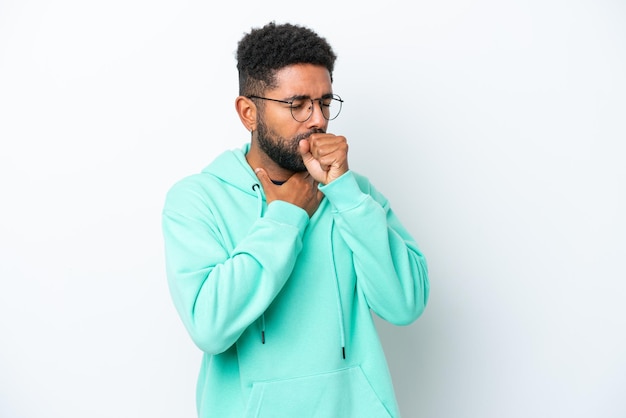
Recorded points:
391,271
218,293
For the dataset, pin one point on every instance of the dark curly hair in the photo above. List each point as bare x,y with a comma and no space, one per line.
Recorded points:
264,51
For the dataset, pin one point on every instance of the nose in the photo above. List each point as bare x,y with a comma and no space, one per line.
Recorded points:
317,119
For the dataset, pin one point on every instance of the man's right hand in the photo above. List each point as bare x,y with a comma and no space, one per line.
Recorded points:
300,189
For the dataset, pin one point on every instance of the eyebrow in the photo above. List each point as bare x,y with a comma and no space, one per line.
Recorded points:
306,96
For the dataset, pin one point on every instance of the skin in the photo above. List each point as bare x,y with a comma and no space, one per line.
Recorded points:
325,155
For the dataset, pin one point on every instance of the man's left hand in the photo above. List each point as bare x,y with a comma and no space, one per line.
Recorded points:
325,156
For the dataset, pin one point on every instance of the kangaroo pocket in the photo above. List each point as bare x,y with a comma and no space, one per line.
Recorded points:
343,393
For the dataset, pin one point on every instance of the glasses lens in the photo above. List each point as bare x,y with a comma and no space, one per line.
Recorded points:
301,109
331,107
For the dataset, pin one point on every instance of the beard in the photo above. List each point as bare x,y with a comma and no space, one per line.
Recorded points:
283,151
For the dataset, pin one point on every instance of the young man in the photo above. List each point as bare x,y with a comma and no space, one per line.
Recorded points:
277,252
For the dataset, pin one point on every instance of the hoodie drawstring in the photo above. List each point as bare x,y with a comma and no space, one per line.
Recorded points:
342,330
257,188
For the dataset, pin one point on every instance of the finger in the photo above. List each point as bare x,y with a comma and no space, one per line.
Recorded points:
308,159
262,176
305,151
322,148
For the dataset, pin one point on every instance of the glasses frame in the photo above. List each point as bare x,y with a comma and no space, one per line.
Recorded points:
319,101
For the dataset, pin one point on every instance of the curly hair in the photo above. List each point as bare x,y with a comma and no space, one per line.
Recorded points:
263,51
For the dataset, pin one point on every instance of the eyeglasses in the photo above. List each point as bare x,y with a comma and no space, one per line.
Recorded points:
302,107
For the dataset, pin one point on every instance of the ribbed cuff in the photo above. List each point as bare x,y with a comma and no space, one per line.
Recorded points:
287,213
344,193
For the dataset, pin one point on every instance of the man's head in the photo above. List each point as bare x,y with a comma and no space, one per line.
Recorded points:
285,86
265,50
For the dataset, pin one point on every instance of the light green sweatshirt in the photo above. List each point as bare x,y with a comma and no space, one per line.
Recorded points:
280,303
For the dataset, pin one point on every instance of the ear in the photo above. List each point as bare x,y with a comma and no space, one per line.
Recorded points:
246,109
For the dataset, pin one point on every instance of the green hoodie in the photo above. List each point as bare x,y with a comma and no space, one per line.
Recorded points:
280,303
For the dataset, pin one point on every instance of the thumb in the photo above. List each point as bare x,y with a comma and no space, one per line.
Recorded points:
311,164
304,147
262,176
305,151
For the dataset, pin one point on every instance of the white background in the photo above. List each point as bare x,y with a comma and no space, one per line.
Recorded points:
496,129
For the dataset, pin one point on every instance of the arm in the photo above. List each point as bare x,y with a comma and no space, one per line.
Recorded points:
217,291
391,271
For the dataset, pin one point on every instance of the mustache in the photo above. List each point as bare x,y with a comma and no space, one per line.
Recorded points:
306,135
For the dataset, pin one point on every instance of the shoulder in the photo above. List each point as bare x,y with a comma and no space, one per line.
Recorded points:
189,189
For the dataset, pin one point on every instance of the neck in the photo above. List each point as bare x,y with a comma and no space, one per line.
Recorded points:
256,158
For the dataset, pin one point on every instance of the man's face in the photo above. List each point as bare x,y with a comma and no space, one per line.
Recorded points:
278,133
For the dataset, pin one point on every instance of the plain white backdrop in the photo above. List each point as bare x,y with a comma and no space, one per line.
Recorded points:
496,129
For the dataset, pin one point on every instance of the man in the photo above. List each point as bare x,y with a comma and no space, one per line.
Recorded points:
277,252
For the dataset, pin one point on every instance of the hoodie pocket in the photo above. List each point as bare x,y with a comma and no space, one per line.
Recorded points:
343,393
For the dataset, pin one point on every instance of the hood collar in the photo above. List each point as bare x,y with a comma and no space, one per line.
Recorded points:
226,168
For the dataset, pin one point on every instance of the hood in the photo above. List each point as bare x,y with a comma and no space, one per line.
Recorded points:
233,169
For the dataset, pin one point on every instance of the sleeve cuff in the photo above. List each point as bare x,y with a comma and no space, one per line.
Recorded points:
344,193
286,213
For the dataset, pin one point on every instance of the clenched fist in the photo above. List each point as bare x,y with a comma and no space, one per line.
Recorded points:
325,156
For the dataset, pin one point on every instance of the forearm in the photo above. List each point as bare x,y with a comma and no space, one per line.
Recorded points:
391,270
219,293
